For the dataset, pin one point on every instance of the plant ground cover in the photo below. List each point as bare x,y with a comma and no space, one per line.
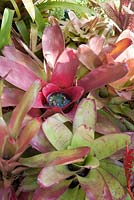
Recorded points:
66,100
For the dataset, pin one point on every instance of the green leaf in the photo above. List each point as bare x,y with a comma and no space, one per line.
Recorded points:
57,133
64,5
115,170
29,183
85,114
22,108
115,187
107,145
21,26
74,194
6,26
30,8
83,136
95,186
56,157
53,175
40,22
91,162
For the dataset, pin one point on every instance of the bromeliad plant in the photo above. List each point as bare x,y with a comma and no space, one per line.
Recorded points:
80,164
61,91
16,133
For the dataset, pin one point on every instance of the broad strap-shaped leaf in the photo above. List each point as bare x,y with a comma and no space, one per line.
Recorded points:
15,71
28,132
105,125
52,44
57,133
15,55
30,8
11,96
95,186
88,119
103,75
56,157
52,192
116,189
114,168
88,58
53,175
41,143
107,145
66,66
22,108
83,136
73,193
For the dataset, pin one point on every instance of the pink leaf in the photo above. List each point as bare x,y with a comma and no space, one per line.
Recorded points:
65,69
103,75
52,44
15,55
18,75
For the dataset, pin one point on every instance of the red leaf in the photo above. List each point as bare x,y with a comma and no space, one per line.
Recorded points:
65,69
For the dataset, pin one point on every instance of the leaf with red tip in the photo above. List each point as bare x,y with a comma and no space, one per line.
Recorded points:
56,157
22,108
52,44
51,193
95,186
103,75
28,132
120,46
18,74
65,69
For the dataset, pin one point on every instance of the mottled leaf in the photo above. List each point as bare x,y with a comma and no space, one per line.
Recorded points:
107,145
53,175
95,186
83,136
117,191
57,133
74,194
56,157
114,168
86,106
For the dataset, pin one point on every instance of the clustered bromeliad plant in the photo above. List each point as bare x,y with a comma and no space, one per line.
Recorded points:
66,104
